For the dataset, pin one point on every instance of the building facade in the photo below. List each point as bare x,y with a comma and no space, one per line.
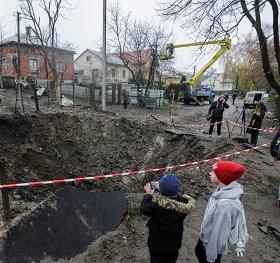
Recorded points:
32,62
219,83
88,68
140,64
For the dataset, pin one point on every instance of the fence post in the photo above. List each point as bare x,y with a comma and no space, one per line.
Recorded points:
4,192
229,131
73,98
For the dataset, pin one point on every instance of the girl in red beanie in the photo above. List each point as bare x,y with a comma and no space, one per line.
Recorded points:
224,221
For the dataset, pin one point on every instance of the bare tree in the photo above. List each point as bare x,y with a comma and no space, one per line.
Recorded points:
45,35
157,39
218,18
137,43
3,33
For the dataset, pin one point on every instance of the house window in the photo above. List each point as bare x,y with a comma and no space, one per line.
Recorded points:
33,65
124,74
88,58
113,72
60,67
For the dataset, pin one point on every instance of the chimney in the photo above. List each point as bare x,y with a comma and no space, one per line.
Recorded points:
28,32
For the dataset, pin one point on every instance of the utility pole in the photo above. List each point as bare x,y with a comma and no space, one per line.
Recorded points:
104,84
18,61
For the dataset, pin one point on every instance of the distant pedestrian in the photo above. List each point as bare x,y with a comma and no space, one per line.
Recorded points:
167,212
32,84
256,122
275,152
171,96
224,222
226,97
215,114
234,95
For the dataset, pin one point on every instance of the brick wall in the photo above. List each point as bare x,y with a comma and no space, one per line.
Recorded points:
27,53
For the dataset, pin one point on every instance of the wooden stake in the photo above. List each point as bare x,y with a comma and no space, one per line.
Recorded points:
5,194
229,131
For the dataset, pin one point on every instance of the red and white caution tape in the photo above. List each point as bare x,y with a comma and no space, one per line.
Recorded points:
189,125
131,173
196,125
271,130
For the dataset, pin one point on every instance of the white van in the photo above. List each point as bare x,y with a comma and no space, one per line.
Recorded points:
253,96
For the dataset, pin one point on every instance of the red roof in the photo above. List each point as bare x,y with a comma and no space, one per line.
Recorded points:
138,57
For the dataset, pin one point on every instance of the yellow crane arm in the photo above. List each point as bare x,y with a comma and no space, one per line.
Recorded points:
225,45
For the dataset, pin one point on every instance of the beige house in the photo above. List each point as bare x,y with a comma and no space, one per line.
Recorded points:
218,83
88,65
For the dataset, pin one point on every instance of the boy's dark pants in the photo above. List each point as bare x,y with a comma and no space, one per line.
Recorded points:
160,256
201,253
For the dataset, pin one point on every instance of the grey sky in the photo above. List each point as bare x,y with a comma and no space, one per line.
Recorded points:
83,26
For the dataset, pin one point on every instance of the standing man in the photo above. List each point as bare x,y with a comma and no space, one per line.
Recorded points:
224,213
167,212
233,97
275,152
215,114
226,97
32,83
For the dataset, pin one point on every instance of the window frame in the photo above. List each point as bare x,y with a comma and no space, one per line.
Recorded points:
113,70
60,67
31,68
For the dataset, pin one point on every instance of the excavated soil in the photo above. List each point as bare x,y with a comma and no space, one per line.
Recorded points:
61,145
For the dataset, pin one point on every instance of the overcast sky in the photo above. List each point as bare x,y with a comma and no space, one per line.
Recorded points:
83,25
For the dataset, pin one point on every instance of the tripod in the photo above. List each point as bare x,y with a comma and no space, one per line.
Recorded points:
243,121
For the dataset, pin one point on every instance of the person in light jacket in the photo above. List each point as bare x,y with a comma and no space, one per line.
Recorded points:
221,214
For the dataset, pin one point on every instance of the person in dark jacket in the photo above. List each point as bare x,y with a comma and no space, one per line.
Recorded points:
274,151
167,212
226,97
256,122
215,114
234,95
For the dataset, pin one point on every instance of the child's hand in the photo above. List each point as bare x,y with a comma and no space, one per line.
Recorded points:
148,189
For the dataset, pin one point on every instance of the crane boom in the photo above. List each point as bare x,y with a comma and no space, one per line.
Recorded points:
225,46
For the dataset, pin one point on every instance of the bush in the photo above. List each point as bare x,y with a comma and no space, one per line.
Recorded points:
176,87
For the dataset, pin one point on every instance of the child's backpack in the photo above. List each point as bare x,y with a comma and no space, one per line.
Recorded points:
238,235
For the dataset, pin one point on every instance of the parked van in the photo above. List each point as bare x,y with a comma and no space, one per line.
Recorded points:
253,96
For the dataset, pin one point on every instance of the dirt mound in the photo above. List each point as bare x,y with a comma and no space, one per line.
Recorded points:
53,146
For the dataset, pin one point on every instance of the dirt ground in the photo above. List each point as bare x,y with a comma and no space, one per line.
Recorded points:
71,142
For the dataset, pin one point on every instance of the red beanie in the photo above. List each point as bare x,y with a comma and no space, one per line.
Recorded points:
227,171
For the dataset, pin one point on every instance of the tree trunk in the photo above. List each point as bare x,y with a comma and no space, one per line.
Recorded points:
114,86
277,107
